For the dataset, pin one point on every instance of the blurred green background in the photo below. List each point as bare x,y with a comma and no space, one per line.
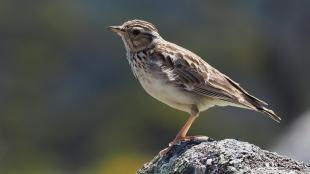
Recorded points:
70,104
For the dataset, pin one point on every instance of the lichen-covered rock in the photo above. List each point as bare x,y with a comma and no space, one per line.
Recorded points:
218,157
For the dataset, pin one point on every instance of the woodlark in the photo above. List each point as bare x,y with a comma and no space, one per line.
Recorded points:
179,77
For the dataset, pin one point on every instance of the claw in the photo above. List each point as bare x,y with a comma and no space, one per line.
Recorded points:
177,140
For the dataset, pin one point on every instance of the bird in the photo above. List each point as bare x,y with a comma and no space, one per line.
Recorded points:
180,78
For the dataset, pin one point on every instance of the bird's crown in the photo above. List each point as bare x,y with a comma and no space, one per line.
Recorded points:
140,23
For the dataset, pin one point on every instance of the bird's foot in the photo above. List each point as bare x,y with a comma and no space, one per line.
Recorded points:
178,140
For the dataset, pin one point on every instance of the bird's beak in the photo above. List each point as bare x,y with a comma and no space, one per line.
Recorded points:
116,29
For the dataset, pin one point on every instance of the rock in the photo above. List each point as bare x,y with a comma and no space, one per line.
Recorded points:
224,156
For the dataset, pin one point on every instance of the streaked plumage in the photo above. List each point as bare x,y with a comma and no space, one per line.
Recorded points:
178,77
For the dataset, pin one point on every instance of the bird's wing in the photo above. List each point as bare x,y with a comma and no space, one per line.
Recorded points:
190,73
195,76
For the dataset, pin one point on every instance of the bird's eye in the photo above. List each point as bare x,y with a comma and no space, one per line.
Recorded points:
135,32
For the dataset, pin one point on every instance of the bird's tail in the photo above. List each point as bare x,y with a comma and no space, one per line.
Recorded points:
259,106
270,114
254,103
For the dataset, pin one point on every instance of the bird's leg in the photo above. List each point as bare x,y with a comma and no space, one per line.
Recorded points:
182,133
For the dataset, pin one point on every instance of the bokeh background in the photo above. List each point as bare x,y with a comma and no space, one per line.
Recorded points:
69,103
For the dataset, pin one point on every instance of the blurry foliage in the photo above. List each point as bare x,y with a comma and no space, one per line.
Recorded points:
69,103
122,163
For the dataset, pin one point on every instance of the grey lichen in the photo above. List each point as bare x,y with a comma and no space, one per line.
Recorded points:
226,156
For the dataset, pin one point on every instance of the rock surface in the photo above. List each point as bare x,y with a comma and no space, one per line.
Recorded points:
218,157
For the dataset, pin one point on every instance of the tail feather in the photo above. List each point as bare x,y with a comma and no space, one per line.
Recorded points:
254,103
259,106
270,114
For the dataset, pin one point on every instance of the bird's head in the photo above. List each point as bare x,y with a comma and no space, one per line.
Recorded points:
136,34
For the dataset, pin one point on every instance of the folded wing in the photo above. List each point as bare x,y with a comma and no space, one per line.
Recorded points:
202,79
